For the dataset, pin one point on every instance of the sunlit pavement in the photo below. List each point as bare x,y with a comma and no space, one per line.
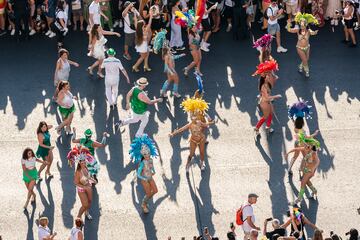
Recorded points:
236,164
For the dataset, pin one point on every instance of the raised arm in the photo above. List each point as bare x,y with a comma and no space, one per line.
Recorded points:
180,130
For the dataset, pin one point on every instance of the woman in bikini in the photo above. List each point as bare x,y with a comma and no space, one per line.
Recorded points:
310,163
83,182
267,79
196,107
194,45
169,69
297,112
142,151
304,33
66,106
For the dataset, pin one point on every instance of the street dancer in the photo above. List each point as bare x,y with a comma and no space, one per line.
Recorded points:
304,33
267,77
169,69
30,174
263,45
310,163
297,112
138,100
196,108
86,142
112,66
44,149
142,152
66,106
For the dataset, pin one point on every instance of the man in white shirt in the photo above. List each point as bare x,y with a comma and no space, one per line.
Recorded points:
130,21
95,13
112,66
273,12
248,215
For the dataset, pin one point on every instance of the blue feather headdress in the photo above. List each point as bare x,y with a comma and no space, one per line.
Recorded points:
199,83
159,41
140,143
300,109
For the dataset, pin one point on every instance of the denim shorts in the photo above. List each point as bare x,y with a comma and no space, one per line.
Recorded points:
273,28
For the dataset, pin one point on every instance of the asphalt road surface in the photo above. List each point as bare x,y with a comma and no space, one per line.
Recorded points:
236,164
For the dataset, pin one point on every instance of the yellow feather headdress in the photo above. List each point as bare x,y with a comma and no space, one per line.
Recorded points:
194,105
308,18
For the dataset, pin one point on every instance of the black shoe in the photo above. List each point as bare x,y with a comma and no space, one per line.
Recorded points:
2,32
352,45
111,107
345,41
95,178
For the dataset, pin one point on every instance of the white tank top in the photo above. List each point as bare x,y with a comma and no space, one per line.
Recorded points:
74,233
68,100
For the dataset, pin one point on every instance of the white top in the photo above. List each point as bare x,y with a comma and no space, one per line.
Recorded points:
68,100
29,163
247,211
74,233
127,28
292,2
94,9
272,11
43,232
229,3
76,5
112,66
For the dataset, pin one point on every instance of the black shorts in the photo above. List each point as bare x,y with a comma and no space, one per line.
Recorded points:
228,12
206,25
349,23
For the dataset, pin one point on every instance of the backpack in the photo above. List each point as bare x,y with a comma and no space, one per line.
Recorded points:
239,215
265,13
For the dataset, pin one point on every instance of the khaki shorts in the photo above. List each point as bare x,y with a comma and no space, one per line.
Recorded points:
291,9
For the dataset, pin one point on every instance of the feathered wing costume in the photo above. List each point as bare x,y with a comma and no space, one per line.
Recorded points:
140,146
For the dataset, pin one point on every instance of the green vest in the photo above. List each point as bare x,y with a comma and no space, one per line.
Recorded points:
88,145
138,106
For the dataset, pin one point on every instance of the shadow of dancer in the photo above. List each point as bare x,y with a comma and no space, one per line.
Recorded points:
30,220
49,206
147,219
67,181
91,227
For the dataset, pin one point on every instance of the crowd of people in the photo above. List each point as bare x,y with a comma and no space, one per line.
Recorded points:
154,26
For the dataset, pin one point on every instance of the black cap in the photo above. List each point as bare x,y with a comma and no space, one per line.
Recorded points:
253,195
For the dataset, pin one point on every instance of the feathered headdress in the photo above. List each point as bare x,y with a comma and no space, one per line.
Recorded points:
199,83
193,105
267,66
264,41
310,141
140,146
308,18
186,19
300,109
159,40
79,153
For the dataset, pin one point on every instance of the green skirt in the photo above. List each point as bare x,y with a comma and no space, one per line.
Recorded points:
42,152
65,112
33,173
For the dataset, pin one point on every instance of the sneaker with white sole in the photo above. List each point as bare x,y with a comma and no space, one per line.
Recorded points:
116,23
48,33
281,50
52,34
121,25
12,33
229,27
32,32
204,48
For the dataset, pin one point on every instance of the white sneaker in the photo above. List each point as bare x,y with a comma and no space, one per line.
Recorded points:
229,27
207,44
121,25
204,48
48,33
332,22
116,24
32,32
52,34
12,32
281,50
